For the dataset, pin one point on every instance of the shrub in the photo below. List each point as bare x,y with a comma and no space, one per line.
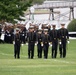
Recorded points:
72,26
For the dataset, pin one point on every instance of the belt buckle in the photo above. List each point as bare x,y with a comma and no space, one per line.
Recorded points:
40,39
62,36
45,42
17,39
54,38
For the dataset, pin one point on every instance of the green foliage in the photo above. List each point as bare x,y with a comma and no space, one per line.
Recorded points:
72,26
12,9
38,1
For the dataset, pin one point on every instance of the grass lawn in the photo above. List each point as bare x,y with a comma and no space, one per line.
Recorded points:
25,66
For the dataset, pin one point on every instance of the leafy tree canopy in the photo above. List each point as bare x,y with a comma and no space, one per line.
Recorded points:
38,1
12,9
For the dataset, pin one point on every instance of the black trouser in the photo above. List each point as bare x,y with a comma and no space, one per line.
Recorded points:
31,50
5,38
23,39
62,48
17,50
46,50
54,48
39,48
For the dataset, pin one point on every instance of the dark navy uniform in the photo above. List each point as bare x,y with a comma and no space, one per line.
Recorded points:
63,36
7,36
23,36
46,40
54,40
31,36
12,35
39,40
17,44
49,29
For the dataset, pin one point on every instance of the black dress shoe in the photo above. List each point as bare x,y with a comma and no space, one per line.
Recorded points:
31,57
18,57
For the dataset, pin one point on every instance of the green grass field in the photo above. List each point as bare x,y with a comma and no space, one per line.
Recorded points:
25,66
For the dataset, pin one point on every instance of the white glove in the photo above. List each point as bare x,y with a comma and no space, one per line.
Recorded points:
35,44
41,44
13,42
68,42
51,45
60,43
26,43
22,34
22,44
9,35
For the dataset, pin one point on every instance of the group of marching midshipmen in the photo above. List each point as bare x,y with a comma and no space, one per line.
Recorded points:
44,38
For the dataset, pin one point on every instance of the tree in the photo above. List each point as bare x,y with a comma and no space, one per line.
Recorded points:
38,1
72,26
13,9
